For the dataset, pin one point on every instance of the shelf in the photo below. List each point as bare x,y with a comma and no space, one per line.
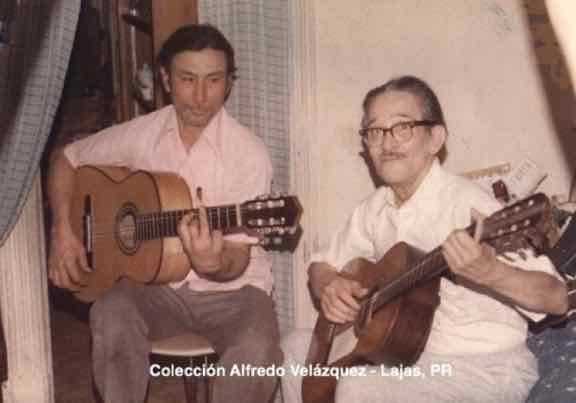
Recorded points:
140,28
138,23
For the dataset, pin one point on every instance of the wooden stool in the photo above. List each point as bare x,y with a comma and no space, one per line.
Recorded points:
193,347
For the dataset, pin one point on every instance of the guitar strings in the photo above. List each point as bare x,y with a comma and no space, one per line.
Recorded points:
178,214
158,222
160,219
415,274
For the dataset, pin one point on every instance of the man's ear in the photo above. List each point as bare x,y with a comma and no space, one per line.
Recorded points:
229,85
438,135
165,77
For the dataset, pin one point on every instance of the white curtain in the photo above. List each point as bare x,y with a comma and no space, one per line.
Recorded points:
33,66
35,44
258,30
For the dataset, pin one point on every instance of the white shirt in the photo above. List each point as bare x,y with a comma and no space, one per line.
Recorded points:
465,322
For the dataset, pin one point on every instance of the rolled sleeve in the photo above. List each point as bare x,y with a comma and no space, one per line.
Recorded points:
114,146
350,242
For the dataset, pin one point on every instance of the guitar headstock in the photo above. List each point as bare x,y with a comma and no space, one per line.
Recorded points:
274,218
528,223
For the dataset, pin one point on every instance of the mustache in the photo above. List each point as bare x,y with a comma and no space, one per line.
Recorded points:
193,109
391,155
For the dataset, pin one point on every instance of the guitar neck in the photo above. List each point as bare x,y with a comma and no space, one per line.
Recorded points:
165,224
429,267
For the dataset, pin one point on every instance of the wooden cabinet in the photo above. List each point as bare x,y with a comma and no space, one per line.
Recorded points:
140,29
115,40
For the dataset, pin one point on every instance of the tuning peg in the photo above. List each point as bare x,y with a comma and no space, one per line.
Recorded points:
522,254
507,257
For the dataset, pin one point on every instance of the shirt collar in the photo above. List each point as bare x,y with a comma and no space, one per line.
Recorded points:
171,123
211,133
427,190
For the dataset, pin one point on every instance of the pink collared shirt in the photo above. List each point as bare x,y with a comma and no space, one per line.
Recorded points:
229,162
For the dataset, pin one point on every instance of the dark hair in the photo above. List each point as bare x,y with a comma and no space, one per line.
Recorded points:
196,37
431,106
415,86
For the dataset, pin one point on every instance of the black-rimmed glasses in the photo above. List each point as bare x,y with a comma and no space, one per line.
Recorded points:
402,132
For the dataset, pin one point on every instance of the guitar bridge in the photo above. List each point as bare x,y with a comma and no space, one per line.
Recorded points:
87,227
365,314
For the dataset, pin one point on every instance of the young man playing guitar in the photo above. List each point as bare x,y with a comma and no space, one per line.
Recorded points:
225,297
477,332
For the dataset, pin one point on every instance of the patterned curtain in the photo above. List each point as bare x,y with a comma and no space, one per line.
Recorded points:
258,30
36,38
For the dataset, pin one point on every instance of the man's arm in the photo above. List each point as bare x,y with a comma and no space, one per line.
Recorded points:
61,178
67,261
531,290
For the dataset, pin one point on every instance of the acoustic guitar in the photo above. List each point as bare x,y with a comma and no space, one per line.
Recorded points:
128,221
396,316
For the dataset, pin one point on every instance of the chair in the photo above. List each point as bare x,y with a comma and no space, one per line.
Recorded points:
191,346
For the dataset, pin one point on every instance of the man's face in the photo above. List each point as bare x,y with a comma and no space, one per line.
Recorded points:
397,163
198,83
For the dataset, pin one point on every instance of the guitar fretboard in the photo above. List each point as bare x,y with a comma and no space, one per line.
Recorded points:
165,224
431,266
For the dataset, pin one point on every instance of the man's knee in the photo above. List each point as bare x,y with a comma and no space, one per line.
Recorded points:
365,388
349,389
260,348
114,316
258,338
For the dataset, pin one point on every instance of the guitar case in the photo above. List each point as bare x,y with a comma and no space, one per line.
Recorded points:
563,253
563,257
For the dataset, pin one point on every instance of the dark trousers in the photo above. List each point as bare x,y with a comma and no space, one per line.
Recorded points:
240,324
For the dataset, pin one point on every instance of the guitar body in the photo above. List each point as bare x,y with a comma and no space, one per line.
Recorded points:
114,197
395,334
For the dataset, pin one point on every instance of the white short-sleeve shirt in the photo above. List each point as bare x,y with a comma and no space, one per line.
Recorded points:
466,322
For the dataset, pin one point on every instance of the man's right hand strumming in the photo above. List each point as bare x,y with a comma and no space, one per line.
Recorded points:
67,260
338,296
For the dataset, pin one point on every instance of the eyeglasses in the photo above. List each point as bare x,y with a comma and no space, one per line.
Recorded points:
402,132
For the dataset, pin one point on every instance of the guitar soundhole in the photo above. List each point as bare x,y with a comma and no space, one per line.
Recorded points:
126,229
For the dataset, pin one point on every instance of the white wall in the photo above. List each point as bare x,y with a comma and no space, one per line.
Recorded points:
476,54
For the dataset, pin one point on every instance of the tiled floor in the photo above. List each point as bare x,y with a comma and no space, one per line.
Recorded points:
71,357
